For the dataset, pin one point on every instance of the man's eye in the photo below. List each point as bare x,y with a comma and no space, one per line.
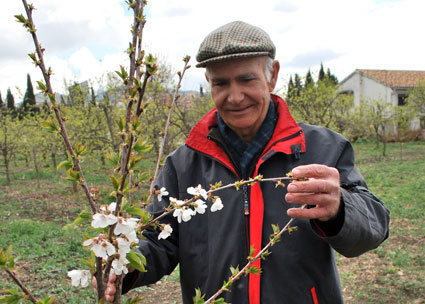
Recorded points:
219,83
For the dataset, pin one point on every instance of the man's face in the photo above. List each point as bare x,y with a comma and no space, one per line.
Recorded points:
241,93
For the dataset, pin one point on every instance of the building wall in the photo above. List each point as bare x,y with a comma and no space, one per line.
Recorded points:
365,88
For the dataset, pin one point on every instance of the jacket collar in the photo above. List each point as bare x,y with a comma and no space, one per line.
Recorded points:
287,134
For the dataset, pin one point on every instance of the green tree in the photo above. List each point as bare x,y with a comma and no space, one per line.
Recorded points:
331,77
1,102
308,79
381,116
10,134
29,104
321,73
320,104
10,101
416,101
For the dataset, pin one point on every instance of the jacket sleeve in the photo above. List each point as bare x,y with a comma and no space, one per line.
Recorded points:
161,255
366,219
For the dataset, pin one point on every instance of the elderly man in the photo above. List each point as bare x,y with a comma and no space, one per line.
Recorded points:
251,132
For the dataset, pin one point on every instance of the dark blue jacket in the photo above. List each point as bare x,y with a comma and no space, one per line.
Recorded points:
301,267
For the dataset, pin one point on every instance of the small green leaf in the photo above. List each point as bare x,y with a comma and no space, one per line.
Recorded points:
254,270
49,125
137,261
251,251
198,298
72,175
84,216
6,259
67,164
90,262
234,271
41,86
275,228
20,18
134,300
115,182
46,300
113,159
142,147
12,296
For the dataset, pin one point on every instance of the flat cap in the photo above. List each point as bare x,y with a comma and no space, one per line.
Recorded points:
234,40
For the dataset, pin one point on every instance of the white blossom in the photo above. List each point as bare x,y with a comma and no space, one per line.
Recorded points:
178,202
198,191
79,277
125,226
119,265
161,192
217,205
111,207
184,214
166,232
123,246
100,246
103,220
131,237
200,207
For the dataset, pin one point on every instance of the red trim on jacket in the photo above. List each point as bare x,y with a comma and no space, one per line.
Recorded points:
286,127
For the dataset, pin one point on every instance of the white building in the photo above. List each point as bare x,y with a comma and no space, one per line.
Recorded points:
388,85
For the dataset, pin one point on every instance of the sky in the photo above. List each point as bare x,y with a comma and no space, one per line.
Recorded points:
84,40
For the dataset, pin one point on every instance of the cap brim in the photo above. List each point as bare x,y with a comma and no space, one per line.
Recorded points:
204,63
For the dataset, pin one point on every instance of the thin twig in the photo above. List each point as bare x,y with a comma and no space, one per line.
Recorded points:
236,185
46,75
19,283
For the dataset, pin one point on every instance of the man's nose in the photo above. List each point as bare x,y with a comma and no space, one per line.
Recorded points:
235,94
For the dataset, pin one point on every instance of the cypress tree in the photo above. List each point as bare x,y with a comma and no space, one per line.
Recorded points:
308,79
29,104
10,103
1,102
321,72
290,91
93,96
331,77
297,85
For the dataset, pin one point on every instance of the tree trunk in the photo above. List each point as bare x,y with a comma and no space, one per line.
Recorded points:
110,128
384,142
6,165
36,166
53,155
74,187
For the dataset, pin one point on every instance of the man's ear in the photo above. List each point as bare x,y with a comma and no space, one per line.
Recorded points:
275,73
206,77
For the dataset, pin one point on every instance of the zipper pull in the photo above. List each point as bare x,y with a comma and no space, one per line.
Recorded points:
245,199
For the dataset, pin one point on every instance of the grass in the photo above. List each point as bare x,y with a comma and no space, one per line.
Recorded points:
394,272
32,218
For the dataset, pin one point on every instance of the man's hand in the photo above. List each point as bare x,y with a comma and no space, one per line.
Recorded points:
110,288
322,189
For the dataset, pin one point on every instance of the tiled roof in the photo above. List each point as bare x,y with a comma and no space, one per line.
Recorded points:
395,78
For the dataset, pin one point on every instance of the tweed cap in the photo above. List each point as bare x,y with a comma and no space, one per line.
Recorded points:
233,40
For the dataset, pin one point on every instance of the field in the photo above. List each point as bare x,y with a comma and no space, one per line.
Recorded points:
34,211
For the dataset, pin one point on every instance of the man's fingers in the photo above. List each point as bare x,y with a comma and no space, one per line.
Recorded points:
312,186
110,288
315,170
322,213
